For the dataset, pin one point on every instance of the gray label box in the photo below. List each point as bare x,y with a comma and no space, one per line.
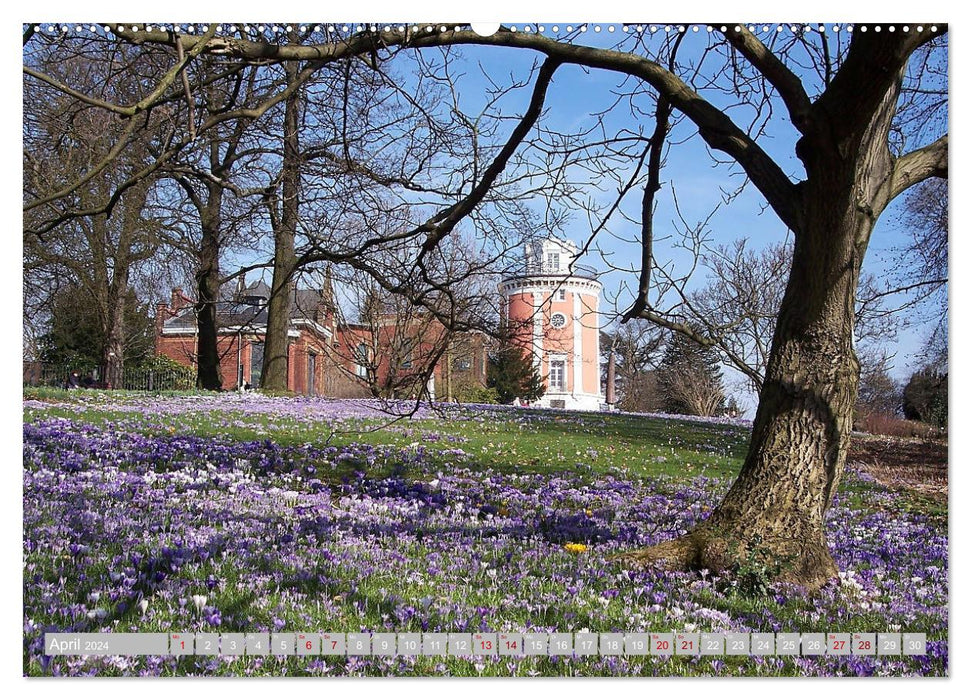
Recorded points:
140,643
662,644
712,644
333,644
207,644
585,643
434,644
814,644
611,644
384,644
510,644
637,644
232,644
308,644
459,644
182,644
283,644
888,644
838,644
257,644
561,644
915,644
763,644
737,644
687,644
358,644
787,643
105,644
536,643
864,644
409,643
485,644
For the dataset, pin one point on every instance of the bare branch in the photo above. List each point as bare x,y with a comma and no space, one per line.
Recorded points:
775,71
916,166
198,47
715,127
188,93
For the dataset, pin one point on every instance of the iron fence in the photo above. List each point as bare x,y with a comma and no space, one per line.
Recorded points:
135,378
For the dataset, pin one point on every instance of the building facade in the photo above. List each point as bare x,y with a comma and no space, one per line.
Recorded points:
241,319
387,357
554,311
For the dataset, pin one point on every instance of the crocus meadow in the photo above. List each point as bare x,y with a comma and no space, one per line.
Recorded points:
137,521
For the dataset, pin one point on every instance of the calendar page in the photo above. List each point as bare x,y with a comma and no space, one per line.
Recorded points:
423,348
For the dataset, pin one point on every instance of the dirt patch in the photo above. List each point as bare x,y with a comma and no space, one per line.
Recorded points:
916,464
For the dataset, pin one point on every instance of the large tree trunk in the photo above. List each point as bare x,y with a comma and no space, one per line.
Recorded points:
114,351
774,512
209,375
274,377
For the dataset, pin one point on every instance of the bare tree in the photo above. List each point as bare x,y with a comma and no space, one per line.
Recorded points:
879,393
207,212
736,311
689,378
636,349
100,252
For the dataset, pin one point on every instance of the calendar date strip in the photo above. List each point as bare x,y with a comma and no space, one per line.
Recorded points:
486,645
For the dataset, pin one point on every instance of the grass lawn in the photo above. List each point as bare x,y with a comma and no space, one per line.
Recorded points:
246,513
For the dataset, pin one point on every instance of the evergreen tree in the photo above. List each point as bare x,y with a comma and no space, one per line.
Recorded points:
925,397
689,379
512,374
77,337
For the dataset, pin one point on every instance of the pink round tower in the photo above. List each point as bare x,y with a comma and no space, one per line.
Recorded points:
556,306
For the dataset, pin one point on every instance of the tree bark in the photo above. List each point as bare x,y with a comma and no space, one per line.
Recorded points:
114,351
275,373
209,374
774,512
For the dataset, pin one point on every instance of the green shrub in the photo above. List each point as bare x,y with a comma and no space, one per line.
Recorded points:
474,393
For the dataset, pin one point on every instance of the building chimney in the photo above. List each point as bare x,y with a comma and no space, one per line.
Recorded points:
177,298
161,316
240,283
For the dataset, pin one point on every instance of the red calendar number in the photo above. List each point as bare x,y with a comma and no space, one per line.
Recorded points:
510,645
838,644
486,644
662,645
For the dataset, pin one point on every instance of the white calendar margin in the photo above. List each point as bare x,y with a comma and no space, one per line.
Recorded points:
494,10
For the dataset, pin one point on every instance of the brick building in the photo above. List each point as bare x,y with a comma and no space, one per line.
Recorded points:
241,318
388,357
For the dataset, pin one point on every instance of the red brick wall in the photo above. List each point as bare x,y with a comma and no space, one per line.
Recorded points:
182,349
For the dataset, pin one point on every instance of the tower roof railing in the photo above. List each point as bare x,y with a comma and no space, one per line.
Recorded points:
581,271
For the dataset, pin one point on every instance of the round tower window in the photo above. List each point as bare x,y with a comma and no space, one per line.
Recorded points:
558,320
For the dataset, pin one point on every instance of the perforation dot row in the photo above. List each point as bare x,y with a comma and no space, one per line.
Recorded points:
526,28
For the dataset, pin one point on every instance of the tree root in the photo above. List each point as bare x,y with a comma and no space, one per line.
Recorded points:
776,560
680,554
